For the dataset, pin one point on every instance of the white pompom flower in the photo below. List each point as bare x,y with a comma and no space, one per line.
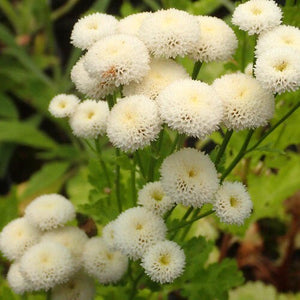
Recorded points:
136,229
153,198
278,69
233,203
100,262
189,177
170,33
246,103
50,211
217,41
133,123
90,119
118,59
92,28
164,262
47,264
16,237
80,287
256,16
109,236
131,24
63,105
191,107
162,73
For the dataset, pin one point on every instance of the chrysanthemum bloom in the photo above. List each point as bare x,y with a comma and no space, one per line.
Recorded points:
217,41
131,24
162,73
80,287
47,264
256,16
246,103
108,235
189,177
278,69
63,105
88,85
105,265
72,238
232,203
153,198
133,123
90,119
281,36
16,237
164,262
191,107
171,32
92,28
136,229
49,211
117,59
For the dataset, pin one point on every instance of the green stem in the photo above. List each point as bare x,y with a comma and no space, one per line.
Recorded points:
134,285
223,146
62,10
133,186
168,214
185,216
117,182
48,295
187,229
139,161
196,70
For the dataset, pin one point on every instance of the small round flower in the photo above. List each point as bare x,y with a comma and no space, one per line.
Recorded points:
92,28
133,123
162,73
136,229
256,16
109,236
90,119
232,203
49,211
16,237
80,287
153,198
280,36
189,177
131,24
63,105
279,69
171,32
105,265
118,59
88,85
72,238
164,262
191,107
246,104
47,264
217,41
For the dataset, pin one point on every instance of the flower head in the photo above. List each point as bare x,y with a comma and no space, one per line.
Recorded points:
109,235
63,105
131,24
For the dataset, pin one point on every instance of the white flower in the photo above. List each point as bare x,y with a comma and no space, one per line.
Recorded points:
16,237
164,262
92,28
171,32
105,265
80,287
256,16
108,235
191,107
280,36
47,264
136,229
49,211
153,198
131,24
133,123
88,85
63,105
90,119
189,177
278,69
117,59
162,73
232,203
246,103
72,238
217,40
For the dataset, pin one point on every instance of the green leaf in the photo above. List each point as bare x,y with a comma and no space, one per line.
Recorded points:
8,207
7,107
124,162
6,152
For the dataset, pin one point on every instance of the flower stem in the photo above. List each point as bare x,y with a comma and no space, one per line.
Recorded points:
133,187
63,9
187,229
48,295
139,162
223,147
134,285
117,182
185,216
196,70
168,214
